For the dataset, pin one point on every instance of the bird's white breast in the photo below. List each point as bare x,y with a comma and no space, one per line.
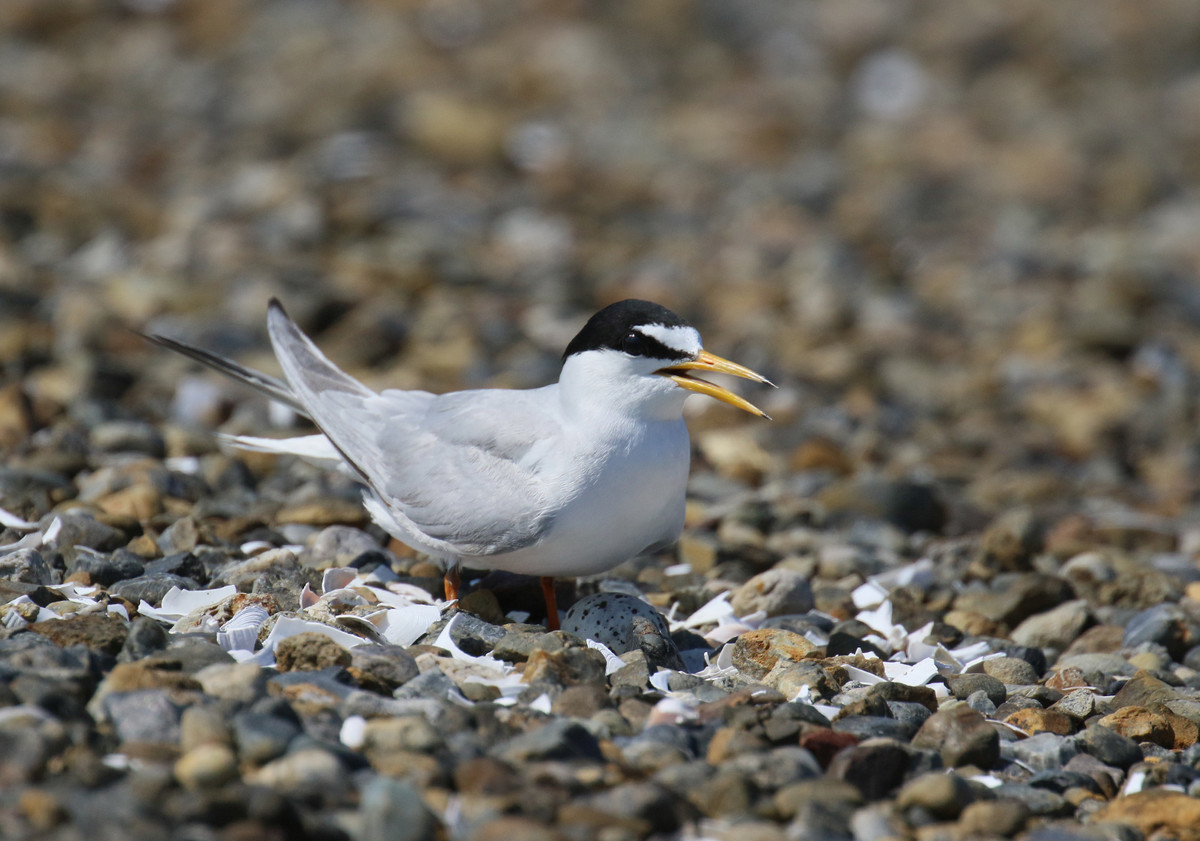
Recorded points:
624,492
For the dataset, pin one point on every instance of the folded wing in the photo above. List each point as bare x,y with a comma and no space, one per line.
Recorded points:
452,471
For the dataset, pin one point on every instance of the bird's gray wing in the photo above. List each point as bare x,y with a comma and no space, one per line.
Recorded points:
272,387
455,468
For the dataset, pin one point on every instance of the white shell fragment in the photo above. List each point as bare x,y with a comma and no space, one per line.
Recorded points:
177,604
241,632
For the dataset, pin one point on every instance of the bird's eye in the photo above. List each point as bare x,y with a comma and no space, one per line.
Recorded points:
634,344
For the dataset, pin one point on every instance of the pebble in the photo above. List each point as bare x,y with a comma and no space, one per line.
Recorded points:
262,737
243,683
310,772
777,592
758,652
80,529
875,766
944,796
1055,628
1140,725
392,810
203,725
1011,671
206,766
1036,720
148,715
27,566
962,736
966,685
1156,811
1045,751
310,651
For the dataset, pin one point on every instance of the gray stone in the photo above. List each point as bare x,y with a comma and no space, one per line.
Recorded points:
311,772
556,740
1039,801
184,564
1166,625
26,565
106,569
24,754
939,794
1011,671
390,665
392,810
875,767
777,592
909,712
1041,752
430,684
181,536
146,636
649,804
979,701
1109,746
1014,597
189,657
1098,668
127,436
146,715
963,686
339,545
1055,628
80,529
962,736
774,769
1078,704
261,738
151,588
876,726
471,634
243,683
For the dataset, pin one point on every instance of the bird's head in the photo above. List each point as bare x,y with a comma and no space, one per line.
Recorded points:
640,352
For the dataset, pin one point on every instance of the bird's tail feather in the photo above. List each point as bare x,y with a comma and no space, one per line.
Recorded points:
272,387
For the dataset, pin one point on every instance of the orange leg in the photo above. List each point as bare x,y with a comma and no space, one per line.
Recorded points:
551,603
451,582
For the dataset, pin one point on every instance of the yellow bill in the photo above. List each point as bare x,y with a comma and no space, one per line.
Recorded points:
711,362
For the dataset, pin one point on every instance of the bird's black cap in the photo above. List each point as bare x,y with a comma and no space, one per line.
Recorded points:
611,327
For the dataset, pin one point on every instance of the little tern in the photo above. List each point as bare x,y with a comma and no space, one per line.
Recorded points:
565,480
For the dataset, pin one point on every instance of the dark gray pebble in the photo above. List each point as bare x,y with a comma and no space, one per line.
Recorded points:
875,767
27,566
81,529
392,810
875,726
391,665
909,712
1109,746
105,569
151,588
1041,752
963,686
555,740
261,738
145,715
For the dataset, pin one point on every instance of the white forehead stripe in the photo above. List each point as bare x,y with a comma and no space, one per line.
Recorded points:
683,339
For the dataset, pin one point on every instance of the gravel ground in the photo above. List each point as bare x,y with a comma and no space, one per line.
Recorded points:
951,592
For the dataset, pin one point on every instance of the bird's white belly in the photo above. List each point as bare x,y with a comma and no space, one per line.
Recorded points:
633,500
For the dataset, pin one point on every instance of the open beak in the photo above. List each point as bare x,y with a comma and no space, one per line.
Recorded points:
711,362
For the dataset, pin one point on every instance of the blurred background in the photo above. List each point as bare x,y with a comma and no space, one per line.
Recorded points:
964,237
